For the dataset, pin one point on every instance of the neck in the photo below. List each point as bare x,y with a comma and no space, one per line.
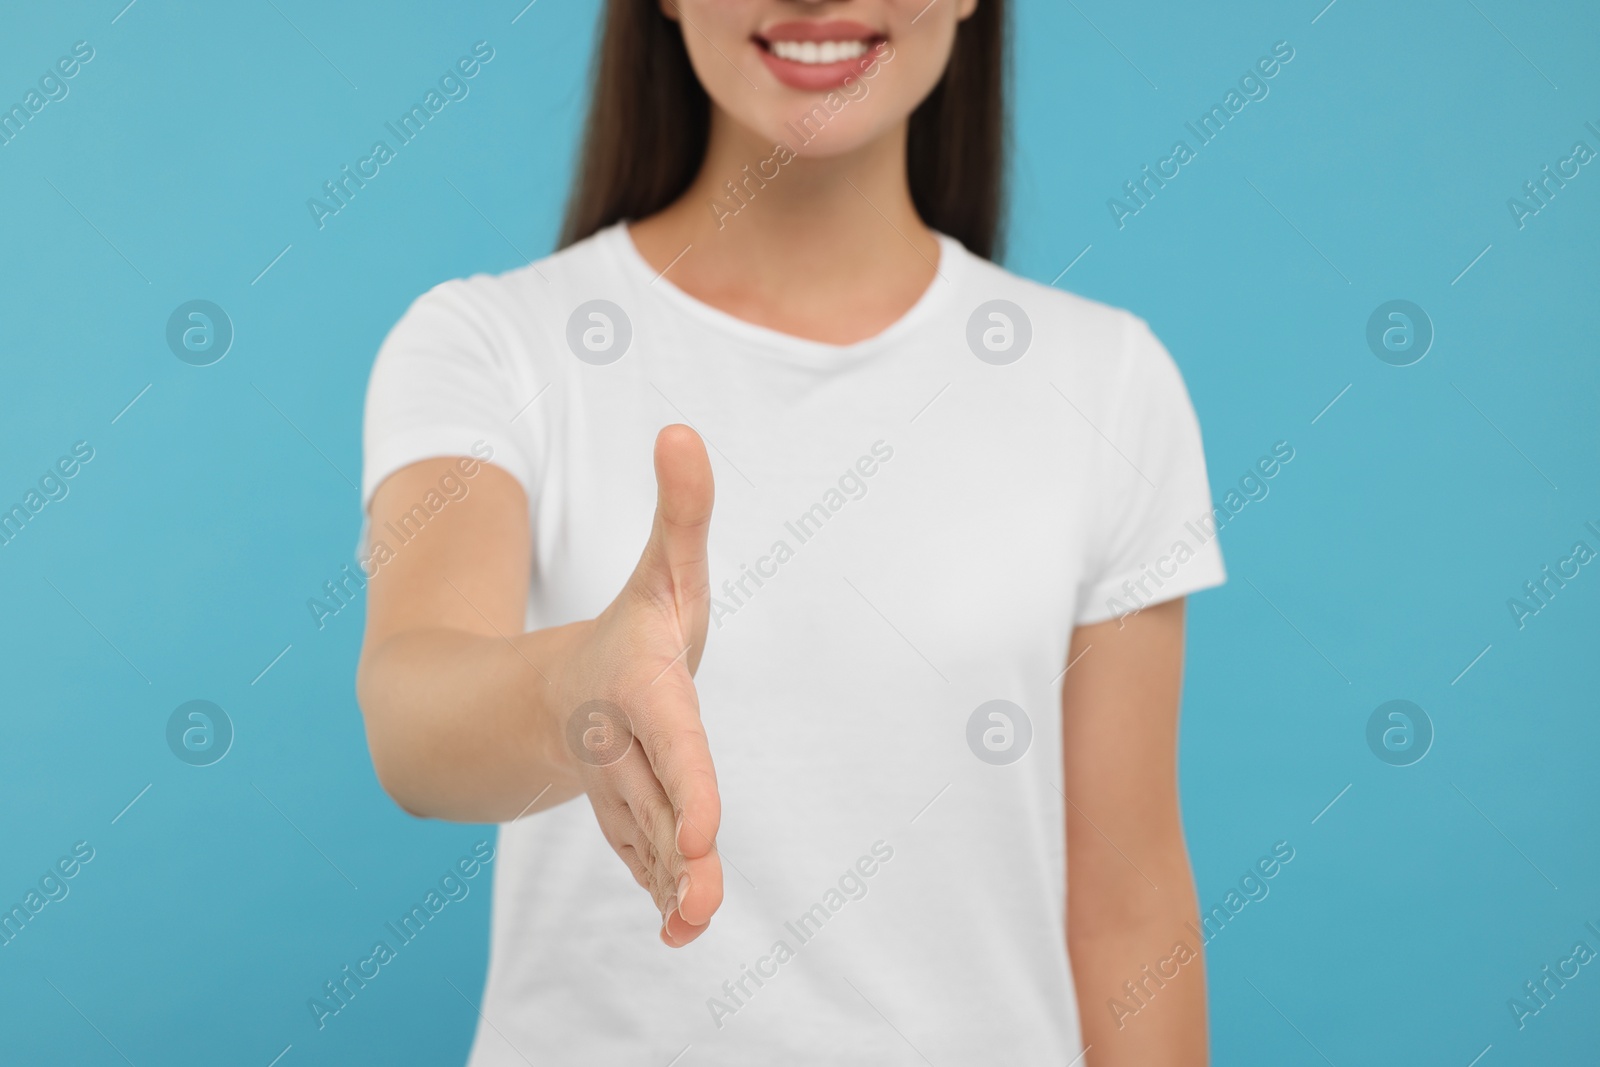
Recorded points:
822,204
810,228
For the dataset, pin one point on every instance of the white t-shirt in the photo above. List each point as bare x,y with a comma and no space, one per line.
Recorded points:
906,529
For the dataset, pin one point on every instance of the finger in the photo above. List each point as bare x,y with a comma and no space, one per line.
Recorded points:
689,887
684,497
636,865
673,741
637,822
700,889
687,892
665,883
622,833
675,932
660,879
649,809
673,569
698,902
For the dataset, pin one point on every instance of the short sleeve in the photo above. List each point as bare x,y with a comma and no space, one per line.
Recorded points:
441,386
1154,533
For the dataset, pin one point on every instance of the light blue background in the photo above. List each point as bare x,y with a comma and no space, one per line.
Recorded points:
1378,568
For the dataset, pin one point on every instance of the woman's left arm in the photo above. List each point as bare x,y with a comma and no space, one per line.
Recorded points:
1131,912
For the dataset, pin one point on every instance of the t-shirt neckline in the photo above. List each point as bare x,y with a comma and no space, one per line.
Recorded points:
945,281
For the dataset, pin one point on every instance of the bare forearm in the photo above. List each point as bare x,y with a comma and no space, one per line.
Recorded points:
1141,981
466,727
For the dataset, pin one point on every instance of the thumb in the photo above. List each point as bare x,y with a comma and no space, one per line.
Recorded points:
673,570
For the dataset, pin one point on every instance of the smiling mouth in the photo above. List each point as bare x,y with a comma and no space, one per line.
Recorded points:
820,53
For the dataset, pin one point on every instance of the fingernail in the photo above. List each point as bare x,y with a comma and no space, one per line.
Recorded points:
683,888
677,833
672,906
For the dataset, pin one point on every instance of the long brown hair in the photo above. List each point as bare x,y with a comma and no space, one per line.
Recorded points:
649,125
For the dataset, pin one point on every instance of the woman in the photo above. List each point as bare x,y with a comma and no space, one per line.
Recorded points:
888,739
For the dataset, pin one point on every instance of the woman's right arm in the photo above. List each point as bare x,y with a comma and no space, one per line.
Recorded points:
469,717
460,703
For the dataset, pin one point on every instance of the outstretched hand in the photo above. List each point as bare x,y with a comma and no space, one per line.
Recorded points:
633,716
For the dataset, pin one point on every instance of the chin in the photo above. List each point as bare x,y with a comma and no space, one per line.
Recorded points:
811,131
822,86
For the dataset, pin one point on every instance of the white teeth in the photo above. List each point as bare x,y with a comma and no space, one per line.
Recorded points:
818,52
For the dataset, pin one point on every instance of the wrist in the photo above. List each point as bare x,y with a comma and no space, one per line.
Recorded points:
560,660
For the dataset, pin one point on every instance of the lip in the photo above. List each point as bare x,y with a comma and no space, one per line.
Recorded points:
818,77
805,30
